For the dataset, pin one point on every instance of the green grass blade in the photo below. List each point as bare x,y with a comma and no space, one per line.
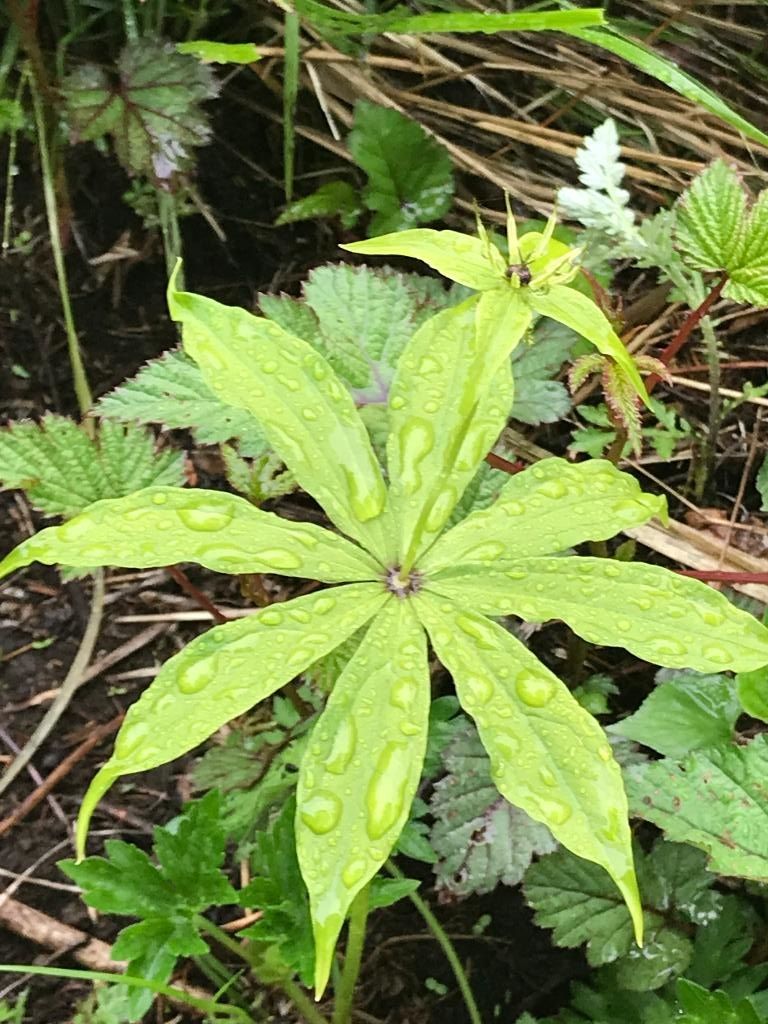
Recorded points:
290,92
665,71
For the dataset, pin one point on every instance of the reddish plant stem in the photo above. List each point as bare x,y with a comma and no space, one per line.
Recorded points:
686,328
189,588
724,576
504,464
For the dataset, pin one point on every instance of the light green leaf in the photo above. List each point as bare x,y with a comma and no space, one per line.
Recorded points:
459,257
748,282
752,689
171,391
360,772
334,199
548,755
220,53
400,20
448,403
582,315
547,508
63,470
666,71
164,525
663,618
208,682
715,800
711,219
308,416
684,713
481,840
410,175
502,321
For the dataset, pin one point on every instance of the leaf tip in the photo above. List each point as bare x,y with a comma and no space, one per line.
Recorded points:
172,292
326,931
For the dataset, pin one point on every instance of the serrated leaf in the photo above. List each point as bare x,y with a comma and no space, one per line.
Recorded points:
63,470
334,199
481,492
664,956
164,525
684,713
308,417
702,1007
748,282
548,756
722,942
599,158
173,938
547,508
435,446
171,391
480,839
124,882
360,773
715,800
711,219
203,686
190,850
410,175
663,618
538,398
153,112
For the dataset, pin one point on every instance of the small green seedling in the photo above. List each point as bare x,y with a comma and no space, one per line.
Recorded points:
409,580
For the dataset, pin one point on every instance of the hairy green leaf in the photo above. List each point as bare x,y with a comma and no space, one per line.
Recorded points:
547,508
360,773
684,713
334,199
152,112
748,282
410,175
308,416
171,391
548,755
711,219
448,403
714,799
539,398
665,619
480,839
163,525
207,684
63,470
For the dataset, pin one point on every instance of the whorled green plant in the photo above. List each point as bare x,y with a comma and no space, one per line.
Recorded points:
409,580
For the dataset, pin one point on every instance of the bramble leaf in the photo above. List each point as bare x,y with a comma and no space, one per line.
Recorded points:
748,282
308,416
171,391
547,508
548,755
206,685
460,257
702,1007
694,802
410,175
360,773
152,112
711,219
63,470
448,403
334,199
666,619
163,525
685,712
538,397
480,839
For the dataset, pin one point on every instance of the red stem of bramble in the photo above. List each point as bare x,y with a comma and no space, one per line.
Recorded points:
692,320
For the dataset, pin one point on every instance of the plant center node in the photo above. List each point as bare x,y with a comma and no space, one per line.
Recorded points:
403,584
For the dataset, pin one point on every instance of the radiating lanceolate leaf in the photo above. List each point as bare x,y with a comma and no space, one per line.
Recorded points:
665,619
410,175
582,315
211,52
171,391
361,770
460,257
548,755
684,713
308,416
448,404
222,674
714,799
63,470
163,525
545,509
